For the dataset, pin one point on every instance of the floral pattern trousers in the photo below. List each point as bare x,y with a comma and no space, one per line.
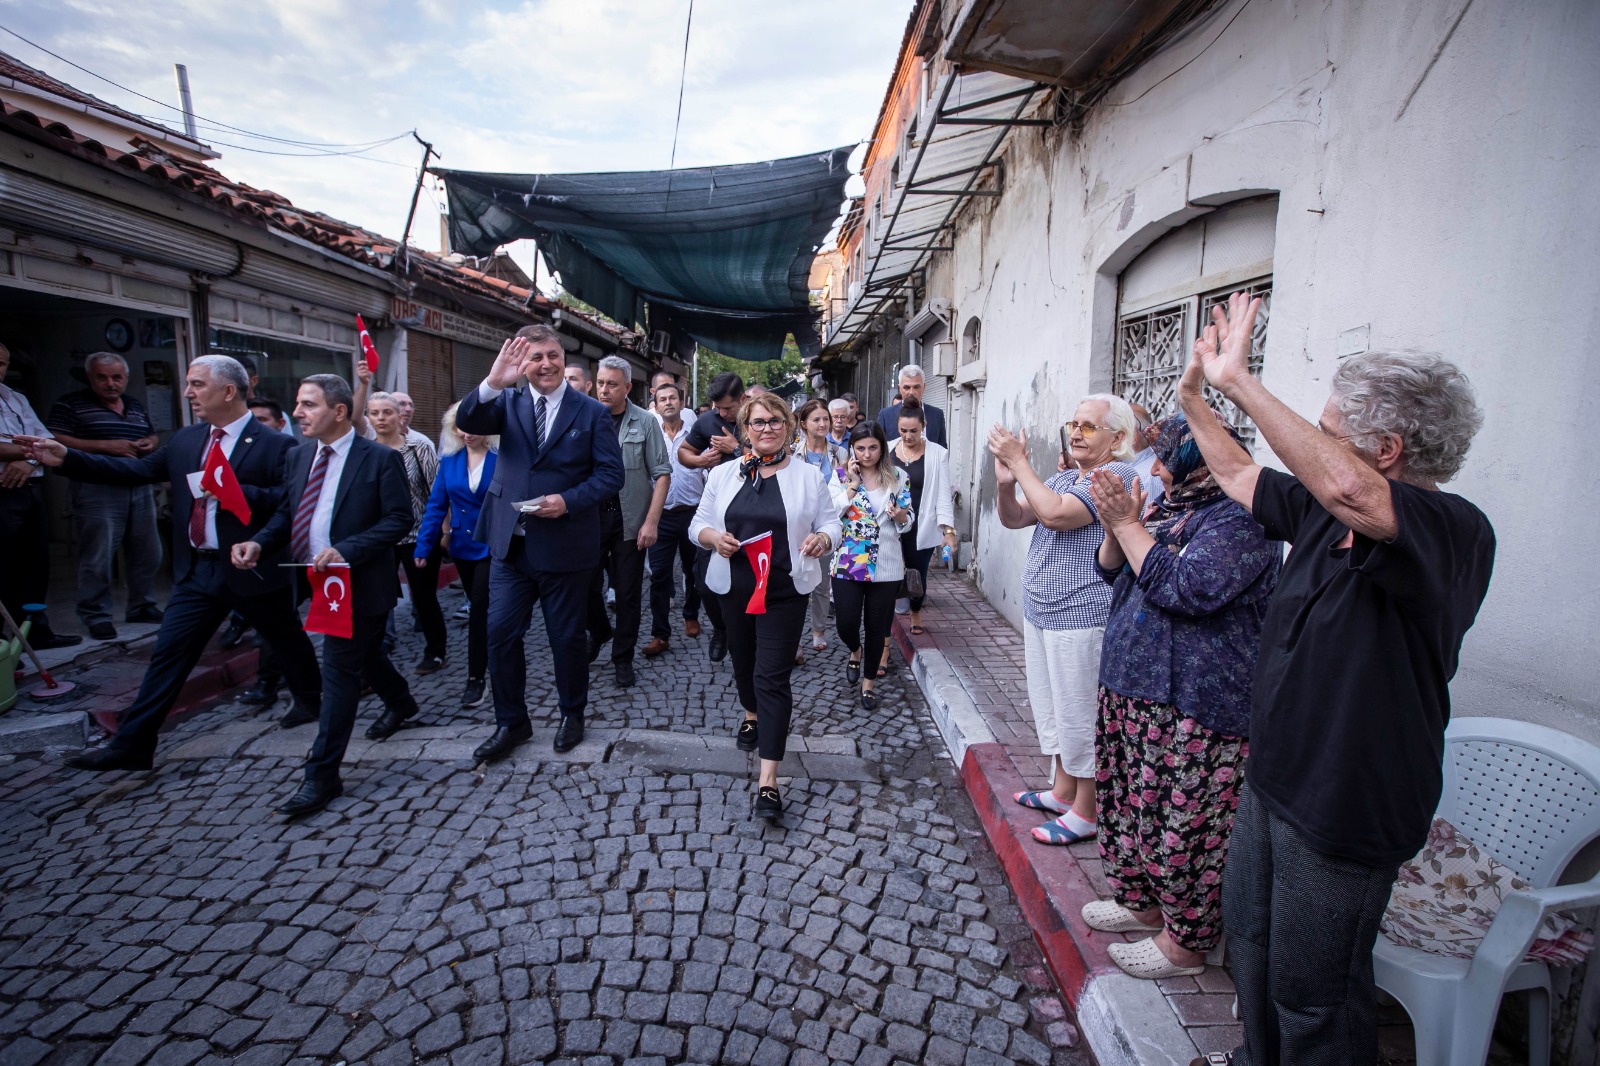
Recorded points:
1167,788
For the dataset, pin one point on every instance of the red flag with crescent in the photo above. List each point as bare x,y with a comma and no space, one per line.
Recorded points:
217,478
759,551
330,602
368,350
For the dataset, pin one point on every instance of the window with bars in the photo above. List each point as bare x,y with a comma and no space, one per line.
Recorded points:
1153,346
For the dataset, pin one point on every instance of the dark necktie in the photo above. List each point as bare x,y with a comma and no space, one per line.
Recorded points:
300,533
197,513
538,424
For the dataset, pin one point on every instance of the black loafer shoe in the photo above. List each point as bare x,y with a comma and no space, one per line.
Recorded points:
312,797
111,758
623,673
869,701
144,614
852,671
748,736
233,636
429,664
570,734
504,740
717,646
299,715
51,641
260,695
389,723
769,804
103,631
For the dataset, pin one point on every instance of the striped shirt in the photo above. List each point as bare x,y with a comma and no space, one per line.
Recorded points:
1061,588
84,415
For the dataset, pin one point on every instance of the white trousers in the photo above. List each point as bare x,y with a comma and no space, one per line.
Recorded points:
1063,677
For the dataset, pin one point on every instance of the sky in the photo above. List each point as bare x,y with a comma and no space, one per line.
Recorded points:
527,87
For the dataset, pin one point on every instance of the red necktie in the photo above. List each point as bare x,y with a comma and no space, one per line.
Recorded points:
300,533
197,513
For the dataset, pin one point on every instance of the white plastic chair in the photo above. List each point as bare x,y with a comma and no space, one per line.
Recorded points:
1530,797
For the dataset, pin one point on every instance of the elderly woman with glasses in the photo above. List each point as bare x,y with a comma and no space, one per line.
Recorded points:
1064,601
767,520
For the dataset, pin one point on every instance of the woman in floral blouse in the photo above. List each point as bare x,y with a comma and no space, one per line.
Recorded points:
1192,579
874,502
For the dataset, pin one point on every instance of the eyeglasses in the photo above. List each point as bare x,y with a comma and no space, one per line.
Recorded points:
761,425
1088,429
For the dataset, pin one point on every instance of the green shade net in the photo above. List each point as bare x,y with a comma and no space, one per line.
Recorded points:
718,254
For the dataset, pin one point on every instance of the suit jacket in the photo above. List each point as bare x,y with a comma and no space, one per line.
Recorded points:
889,419
581,462
371,514
258,462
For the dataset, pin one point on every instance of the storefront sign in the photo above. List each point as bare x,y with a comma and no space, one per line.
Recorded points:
420,316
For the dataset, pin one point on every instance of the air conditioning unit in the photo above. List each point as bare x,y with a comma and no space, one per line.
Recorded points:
944,358
660,342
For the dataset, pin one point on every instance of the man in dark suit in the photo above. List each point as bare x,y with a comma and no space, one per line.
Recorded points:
559,458
912,381
205,588
345,506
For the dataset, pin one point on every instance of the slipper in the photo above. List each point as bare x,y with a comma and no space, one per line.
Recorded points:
1109,916
1042,800
1142,959
917,631
819,644
1053,832
1215,1058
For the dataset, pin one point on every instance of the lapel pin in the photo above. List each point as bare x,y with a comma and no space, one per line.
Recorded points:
247,440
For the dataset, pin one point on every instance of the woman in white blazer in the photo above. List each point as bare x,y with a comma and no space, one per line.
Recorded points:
766,492
928,466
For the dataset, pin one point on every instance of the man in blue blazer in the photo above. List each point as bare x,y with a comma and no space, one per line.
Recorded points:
559,458
204,587
345,506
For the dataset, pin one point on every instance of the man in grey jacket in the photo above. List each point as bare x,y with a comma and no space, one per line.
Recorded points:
629,521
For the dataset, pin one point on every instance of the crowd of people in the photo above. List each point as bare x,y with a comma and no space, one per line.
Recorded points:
1252,738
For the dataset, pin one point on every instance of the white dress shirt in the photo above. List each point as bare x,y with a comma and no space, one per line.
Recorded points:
230,437
688,483
322,517
17,417
552,401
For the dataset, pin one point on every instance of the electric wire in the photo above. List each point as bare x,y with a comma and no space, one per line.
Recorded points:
1191,59
683,78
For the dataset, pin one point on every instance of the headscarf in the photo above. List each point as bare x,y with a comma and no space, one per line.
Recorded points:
1193,487
750,466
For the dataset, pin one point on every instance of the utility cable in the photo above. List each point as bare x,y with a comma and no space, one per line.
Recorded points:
683,78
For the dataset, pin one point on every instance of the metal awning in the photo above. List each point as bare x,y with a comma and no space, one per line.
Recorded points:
958,138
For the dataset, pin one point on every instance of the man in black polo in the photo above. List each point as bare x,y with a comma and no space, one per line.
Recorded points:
101,420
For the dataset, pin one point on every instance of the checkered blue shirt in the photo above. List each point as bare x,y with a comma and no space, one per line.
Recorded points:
1061,589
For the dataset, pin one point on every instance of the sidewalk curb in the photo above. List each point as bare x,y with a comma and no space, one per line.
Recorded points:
209,680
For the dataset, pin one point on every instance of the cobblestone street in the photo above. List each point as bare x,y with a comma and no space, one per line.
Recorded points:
617,904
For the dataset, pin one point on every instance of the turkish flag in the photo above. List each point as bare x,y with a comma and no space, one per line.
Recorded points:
330,603
368,349
218,479
759,551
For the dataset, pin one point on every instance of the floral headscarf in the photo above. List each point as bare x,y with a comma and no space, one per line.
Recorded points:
1193,487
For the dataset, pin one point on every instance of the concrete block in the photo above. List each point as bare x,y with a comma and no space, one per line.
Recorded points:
1128,1022
25,731
957,716
838,768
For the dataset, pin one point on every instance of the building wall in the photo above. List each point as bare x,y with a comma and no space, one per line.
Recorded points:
1467,225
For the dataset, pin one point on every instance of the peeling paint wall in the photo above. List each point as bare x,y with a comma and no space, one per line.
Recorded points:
1469,224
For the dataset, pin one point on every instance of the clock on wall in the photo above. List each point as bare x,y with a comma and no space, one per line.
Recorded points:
119,335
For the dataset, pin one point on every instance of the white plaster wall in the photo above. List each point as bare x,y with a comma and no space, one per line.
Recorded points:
1469,225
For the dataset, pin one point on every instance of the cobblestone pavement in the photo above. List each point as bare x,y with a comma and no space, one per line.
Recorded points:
615,905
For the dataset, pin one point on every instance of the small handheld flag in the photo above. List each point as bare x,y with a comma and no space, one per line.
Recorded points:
218,479
330,603
368,349
759,551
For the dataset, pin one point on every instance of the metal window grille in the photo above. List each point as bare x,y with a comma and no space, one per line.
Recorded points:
1153,346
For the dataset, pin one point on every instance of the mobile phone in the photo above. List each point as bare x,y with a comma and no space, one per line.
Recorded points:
1065,450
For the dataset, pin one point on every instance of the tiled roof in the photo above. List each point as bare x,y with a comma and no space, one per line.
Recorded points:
18,71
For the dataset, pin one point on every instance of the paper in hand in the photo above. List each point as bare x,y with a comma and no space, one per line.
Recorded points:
528,506
194,485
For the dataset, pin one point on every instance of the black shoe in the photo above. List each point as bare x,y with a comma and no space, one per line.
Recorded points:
852,671
49,640
717,647
430,664
102,631
312,797
390,722
298,715
769,805
596,642
747,736
111,758
474,694
233,636
570,733
260,694
869,700
147,613
504,740
624,674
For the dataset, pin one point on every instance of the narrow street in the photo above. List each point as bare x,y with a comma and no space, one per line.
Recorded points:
618,904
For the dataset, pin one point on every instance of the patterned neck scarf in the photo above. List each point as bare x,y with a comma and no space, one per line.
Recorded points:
750,466
1193,487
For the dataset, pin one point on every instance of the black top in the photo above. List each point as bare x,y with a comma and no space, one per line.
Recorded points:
1351,693
84,415
750,514
707,426
914,475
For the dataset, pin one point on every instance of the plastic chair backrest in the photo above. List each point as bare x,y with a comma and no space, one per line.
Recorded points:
1528,794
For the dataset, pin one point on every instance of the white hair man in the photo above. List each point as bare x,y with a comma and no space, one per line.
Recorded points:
839,415
912,381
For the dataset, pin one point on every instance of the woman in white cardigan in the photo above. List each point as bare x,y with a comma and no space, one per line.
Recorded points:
766,492
927,465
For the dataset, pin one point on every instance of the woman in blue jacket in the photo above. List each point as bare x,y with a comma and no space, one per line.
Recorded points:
466,469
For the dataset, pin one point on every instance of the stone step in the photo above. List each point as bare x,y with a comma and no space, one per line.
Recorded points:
28,730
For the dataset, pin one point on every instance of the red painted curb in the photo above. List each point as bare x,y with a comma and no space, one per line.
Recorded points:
225,670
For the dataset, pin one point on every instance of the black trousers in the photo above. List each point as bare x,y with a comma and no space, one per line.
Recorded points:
762,649
711,600
916,559
475,580
1301,926
24,547
622,562
424,583
672,544
346,663
515,585
871,602
198,604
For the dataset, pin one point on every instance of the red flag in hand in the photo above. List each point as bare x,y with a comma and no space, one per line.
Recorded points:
330,602
218,479
368,349
759,552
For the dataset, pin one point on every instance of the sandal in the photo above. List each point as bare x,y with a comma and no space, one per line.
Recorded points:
1042,800
1142,959
1053,832
917,631
852,671
1216,1058
1109,916
819,644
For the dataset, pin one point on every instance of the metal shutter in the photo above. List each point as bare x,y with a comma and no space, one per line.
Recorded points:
430,379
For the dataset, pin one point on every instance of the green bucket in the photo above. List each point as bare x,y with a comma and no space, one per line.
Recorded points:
10,656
